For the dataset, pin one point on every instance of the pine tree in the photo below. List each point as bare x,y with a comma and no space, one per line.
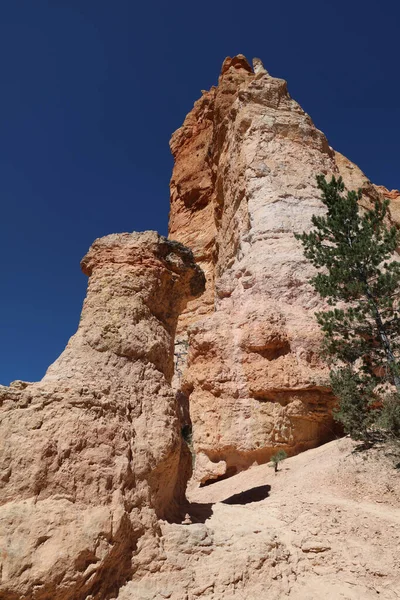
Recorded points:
353,249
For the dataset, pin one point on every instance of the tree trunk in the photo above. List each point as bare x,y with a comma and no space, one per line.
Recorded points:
385,340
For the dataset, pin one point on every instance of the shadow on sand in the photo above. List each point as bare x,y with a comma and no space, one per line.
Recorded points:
200,512
256,494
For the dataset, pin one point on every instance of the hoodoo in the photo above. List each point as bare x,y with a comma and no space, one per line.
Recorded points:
92,455
243,183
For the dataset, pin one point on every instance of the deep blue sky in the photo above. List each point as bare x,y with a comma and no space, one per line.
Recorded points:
91,91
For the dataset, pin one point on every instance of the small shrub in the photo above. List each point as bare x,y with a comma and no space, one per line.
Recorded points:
277,458
187,435
389,418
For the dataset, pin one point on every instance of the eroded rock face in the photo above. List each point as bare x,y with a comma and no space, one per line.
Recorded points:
244,181
92,456
394,198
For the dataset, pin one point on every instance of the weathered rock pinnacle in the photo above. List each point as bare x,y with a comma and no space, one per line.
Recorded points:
258,67
244,181
92,455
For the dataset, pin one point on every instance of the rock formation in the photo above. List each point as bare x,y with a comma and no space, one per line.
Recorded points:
244,180
92,456
394,198
93,466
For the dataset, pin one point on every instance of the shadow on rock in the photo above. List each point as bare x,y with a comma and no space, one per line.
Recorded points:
256,494
199,512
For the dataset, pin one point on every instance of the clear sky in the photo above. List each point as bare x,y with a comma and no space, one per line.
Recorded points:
91,91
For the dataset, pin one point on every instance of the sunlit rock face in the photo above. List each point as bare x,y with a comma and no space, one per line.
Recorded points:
394,198
244,181
92,456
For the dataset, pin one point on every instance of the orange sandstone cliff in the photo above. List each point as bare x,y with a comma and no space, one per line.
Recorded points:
243,183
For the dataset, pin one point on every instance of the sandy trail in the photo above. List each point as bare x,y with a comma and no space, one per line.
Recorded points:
327,525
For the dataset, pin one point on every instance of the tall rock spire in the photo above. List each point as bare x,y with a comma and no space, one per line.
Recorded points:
243,183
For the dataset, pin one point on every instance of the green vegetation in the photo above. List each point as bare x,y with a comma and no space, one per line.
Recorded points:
353,250
187,435
277,458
